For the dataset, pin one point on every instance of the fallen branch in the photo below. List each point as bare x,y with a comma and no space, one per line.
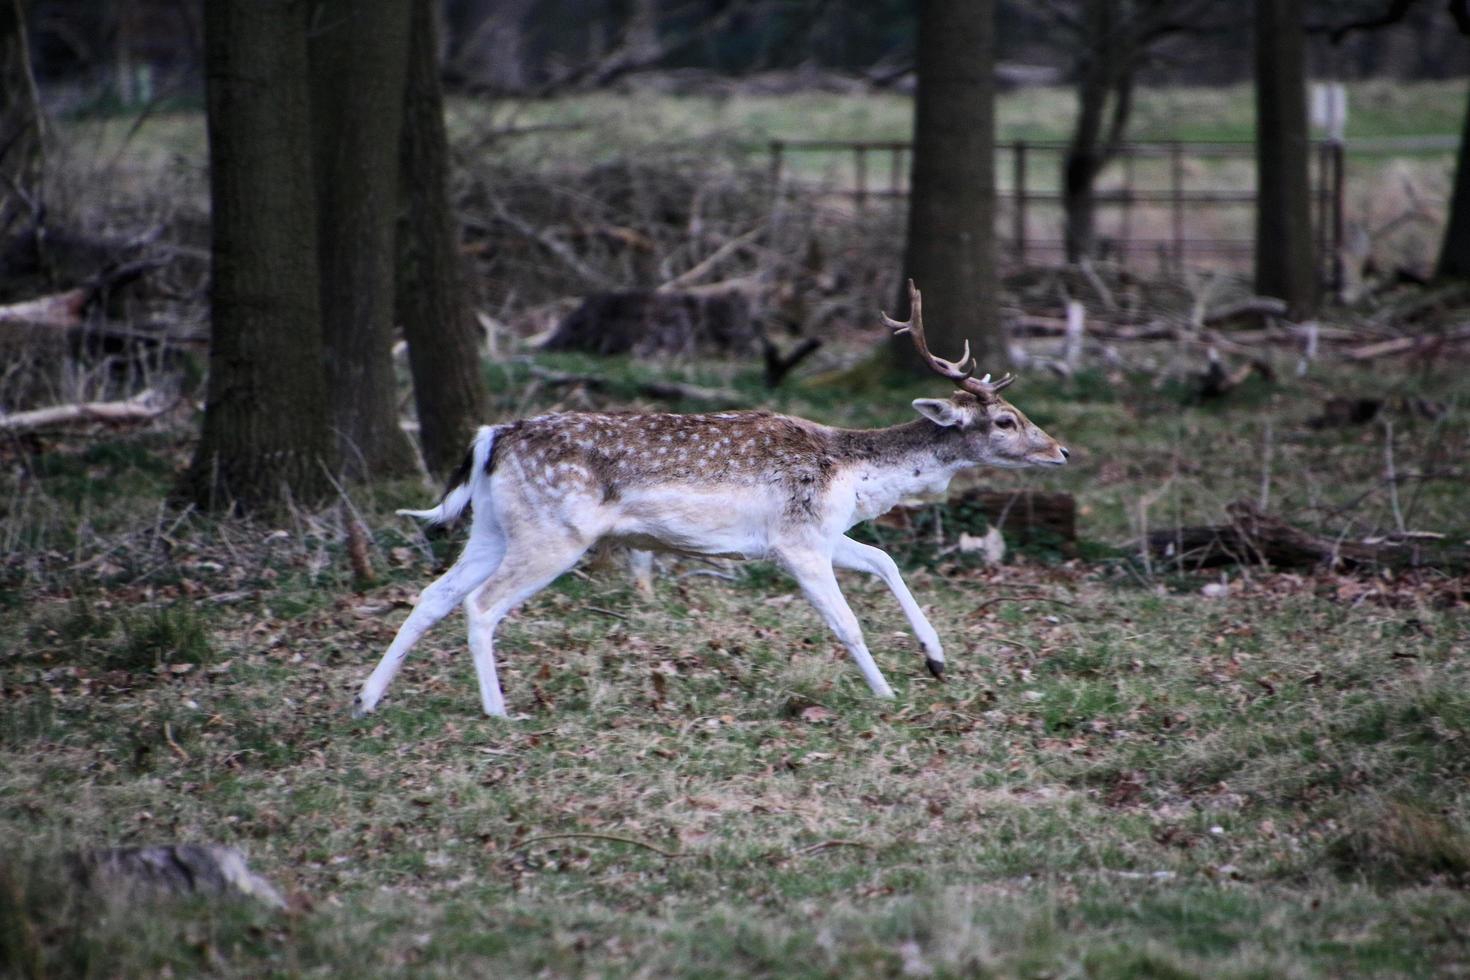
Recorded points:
1262,306
62,310
140,408
779,365
1408,345
1252,537
695,272
1217,381
667,390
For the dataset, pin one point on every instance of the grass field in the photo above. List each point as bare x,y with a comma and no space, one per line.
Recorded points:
1121,778
581,126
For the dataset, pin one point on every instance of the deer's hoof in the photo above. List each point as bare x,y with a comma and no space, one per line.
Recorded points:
360,710
936,667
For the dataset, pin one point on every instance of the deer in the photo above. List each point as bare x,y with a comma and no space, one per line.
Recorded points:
737,484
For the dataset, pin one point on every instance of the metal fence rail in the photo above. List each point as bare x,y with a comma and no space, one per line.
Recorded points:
1150,201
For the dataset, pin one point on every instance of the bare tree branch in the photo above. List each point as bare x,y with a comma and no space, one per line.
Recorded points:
1397,11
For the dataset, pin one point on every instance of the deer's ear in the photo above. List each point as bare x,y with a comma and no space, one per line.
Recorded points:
940,411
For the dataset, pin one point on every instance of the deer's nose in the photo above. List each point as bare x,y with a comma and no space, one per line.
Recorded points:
1065,453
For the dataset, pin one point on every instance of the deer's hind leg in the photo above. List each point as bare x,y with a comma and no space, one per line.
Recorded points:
528,567
481,557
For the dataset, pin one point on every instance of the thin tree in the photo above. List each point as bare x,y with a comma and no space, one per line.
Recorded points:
1454,251
443,343
20,122
358,53
1285,263
950,244
1112,40
266,435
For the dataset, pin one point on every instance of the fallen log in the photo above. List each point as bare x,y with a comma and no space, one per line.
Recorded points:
141,407
1027,514
1023,516
1254,538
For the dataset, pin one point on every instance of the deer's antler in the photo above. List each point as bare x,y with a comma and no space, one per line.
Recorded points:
957,371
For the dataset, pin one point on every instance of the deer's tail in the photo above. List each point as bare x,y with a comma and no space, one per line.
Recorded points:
467,476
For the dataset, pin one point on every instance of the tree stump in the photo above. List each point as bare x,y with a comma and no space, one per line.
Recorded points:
647,323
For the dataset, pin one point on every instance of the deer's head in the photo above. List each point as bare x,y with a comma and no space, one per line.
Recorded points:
993,432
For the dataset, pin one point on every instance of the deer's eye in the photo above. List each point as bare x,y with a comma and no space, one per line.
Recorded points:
1005,422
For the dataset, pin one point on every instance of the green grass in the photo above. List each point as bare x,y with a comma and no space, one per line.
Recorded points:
1121,778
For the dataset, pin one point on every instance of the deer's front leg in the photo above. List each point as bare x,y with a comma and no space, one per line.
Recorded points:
813,572
861,557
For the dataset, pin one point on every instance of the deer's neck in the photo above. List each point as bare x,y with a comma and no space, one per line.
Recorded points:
888,465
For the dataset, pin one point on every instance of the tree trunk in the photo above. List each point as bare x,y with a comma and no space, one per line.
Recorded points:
1086,157
1285,265
358,52
266,436
950,251
1454,253
443,342
20,122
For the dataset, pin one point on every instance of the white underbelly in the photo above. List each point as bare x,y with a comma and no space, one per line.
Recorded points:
693,523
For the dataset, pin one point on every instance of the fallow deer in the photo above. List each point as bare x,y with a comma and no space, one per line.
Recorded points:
734,484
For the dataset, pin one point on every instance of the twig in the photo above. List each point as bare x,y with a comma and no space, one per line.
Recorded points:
709,573
612,837
1267,443
168,736
1391,476
357,551
823,845
1104,294
553,245
697,270
605,612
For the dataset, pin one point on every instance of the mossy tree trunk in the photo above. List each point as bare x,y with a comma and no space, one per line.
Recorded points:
266,435
950,246
1285,263
358,53
443,341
